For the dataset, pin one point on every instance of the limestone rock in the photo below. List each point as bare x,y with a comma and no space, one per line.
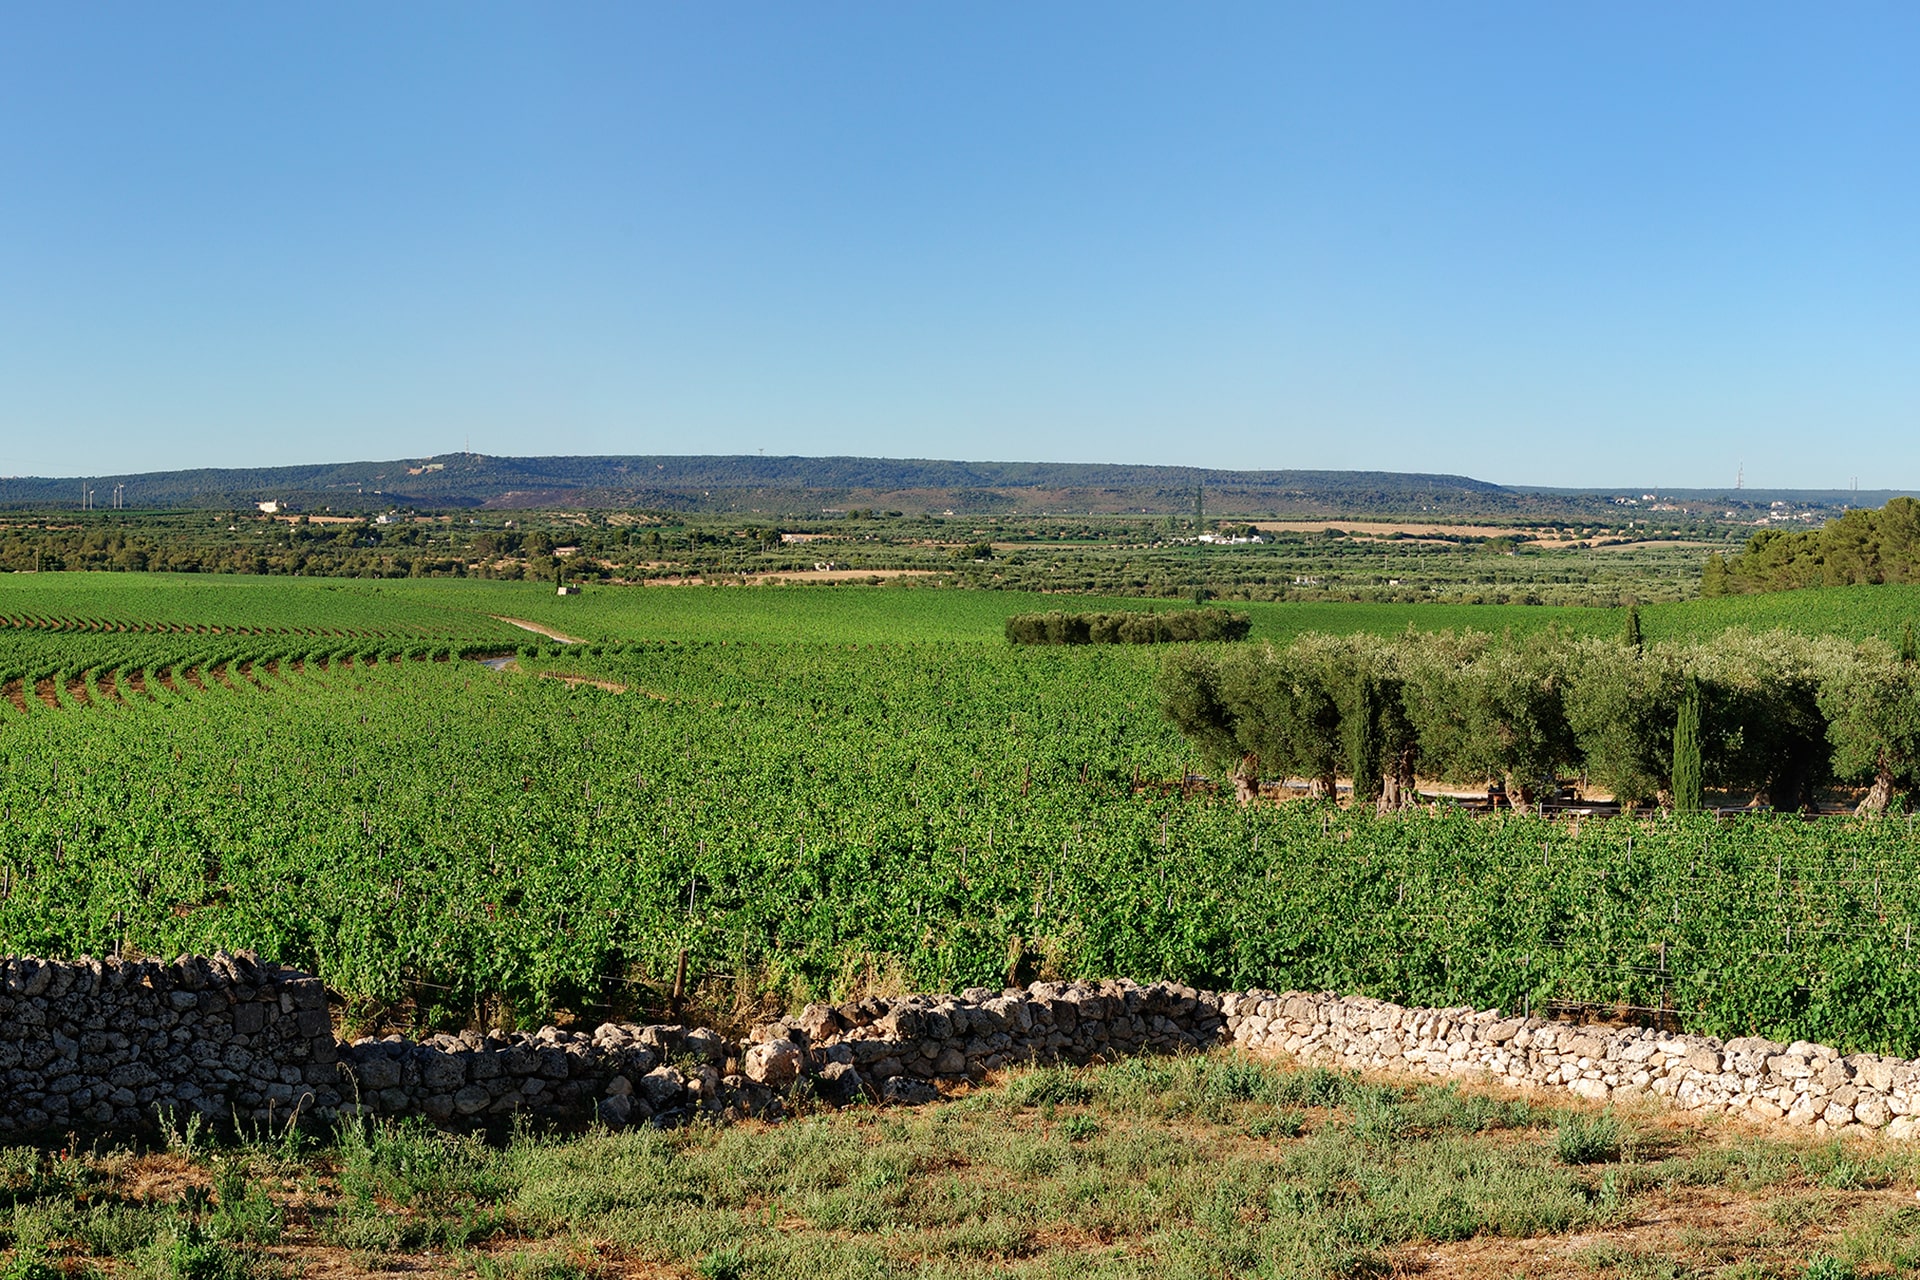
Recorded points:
840,1084
907,1091
776,1063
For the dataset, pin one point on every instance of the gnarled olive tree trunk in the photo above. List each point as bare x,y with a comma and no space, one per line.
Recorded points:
1246,779
1880,794
1397,789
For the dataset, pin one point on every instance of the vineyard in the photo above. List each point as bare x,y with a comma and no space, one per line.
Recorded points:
464,610
447,843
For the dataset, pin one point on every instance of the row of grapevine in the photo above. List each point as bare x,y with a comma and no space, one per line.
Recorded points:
130,603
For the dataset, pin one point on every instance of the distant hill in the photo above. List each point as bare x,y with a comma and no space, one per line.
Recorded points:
792,486
784,486
1747,498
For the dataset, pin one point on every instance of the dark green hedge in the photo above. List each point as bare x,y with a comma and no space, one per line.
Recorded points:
1127,627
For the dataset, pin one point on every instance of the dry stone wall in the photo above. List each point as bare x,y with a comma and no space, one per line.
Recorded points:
899,1049
108,1045
619,1074
117,1046
1802,1083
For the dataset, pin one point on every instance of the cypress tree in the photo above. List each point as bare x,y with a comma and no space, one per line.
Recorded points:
1715,580
1363,740
1632,637
1686,752
1909,653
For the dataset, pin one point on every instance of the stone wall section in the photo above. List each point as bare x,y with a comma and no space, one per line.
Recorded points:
903,1049
119,1046
97,1045
897,1049
1801,1083
618,1074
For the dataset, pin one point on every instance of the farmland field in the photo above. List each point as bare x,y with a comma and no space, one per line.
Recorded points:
453,609
469,610
814,790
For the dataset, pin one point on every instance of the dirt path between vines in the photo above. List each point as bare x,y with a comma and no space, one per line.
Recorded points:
536,628
513,665
574,681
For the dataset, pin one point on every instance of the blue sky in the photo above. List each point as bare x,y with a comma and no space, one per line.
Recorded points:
1610,244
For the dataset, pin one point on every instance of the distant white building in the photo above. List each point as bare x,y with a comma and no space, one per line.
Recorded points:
269,507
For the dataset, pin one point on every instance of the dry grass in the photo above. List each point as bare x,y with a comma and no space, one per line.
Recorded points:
1214,1166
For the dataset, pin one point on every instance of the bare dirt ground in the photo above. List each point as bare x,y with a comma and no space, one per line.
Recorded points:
1533,537
513,665
575,681
1626,544
838,575
537,629
795,575
1692,1231
1383,528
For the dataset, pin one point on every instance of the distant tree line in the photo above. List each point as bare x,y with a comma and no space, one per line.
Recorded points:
322,551
1861,546
1127,627
1776,715
362,549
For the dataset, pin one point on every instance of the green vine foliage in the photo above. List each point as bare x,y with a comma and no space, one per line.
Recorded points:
810,815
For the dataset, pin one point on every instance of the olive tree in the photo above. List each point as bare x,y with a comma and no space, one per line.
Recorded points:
1495,710
1379,745
1289,719
1761,724
1621,706
1191,696
1872,703
1249,708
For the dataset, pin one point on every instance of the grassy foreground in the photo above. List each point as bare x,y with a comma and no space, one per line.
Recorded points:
1214,1166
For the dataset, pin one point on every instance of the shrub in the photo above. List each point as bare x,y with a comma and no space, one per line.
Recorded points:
1128,627
1055,1085
1586,1139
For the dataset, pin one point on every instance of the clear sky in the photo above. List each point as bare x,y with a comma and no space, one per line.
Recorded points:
1605,243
